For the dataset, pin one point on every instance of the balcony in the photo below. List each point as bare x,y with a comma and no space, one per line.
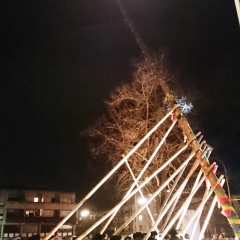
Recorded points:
40,205
54,220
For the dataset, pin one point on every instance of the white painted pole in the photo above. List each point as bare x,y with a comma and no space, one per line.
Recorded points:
237,4
201,204
174,219
198,218
187,203
108,175
171,223
175,198
205,224
142,172
155,194
132,193
169,196
142,195
169,205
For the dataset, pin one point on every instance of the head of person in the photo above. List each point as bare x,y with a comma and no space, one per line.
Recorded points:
115,237
127,238
137,236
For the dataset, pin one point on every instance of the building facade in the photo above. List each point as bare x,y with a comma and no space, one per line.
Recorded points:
235,199
25,213
141,222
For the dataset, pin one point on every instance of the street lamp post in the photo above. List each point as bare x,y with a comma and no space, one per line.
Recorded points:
226,177
83,219
138,202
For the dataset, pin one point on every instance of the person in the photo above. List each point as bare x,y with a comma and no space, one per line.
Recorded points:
104,236
98,236
173,234
115,237
137,236
90,236
153,235
127,238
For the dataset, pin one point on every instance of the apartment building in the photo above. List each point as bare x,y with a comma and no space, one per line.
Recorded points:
24,213
236,203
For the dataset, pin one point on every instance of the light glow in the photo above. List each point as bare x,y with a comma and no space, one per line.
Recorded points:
84,213
142,200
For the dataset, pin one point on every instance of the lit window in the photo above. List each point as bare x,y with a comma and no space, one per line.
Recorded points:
36,199
29,213
33,213
140,217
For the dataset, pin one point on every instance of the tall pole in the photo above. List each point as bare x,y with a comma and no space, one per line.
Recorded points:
59,225
208,170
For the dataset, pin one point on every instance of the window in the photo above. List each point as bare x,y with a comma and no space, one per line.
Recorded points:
140,217
33,213
66,200
16,196
38,213
13,198
47,213
11,229
1,216
47,228
36,199
29,213
10,212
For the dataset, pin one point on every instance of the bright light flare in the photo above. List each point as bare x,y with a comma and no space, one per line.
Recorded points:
84,213
142,200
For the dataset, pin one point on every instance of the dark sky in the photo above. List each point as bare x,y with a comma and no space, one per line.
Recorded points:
61,58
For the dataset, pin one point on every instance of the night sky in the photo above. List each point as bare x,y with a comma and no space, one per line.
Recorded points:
60,59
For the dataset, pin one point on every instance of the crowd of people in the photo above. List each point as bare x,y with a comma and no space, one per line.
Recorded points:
135,236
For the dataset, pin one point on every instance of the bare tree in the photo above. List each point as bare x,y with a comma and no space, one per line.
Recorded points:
133,109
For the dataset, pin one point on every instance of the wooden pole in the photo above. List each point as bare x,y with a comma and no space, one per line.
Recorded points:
208,170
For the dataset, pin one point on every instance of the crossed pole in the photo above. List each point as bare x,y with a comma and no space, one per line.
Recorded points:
208,170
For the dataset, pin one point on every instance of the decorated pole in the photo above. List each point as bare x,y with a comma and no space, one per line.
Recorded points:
208,170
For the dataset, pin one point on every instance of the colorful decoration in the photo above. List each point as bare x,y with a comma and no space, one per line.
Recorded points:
209,171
